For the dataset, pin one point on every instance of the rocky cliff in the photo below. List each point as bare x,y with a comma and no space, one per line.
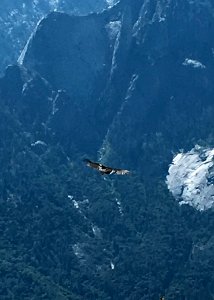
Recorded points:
18,19
146,69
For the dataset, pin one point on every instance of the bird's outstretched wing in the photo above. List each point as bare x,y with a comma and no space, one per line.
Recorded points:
91,164
104,169
121,171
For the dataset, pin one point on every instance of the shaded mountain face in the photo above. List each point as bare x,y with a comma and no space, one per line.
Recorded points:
168,85
18,19
65,43
130,86
143,70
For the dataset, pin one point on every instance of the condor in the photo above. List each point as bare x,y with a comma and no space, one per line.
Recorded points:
105,170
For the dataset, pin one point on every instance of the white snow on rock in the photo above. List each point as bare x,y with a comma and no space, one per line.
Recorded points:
119,206
70,197
162,19
112,265
38,143
111,2
77,249
113,29
96,231
75,203
191,178
54,4
193,63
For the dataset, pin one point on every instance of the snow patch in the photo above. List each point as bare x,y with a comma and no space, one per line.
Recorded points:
112,265
75,203
114,60
191,178
54,4
119,206
96,231
193,63
162,19
38,143
78,251
132,86
24,51
14,12
80,205
113,29
111,3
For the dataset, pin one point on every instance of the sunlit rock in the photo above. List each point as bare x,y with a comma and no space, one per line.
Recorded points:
191,178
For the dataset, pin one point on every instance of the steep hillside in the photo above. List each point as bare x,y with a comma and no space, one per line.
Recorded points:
132,86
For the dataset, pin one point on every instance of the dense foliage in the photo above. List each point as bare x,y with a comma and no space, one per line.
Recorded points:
66,233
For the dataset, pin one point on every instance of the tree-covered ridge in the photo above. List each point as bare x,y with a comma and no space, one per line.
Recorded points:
69,234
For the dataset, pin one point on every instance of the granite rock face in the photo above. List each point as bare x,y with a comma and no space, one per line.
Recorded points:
18,19
71,52
190,178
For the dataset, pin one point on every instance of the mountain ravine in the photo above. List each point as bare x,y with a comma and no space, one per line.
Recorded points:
133,87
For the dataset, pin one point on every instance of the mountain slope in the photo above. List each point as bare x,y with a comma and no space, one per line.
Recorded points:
131,85
167,82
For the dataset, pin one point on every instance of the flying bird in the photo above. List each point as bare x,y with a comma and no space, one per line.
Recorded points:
105,170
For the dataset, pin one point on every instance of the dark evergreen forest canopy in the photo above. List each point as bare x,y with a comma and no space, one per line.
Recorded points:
130,86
